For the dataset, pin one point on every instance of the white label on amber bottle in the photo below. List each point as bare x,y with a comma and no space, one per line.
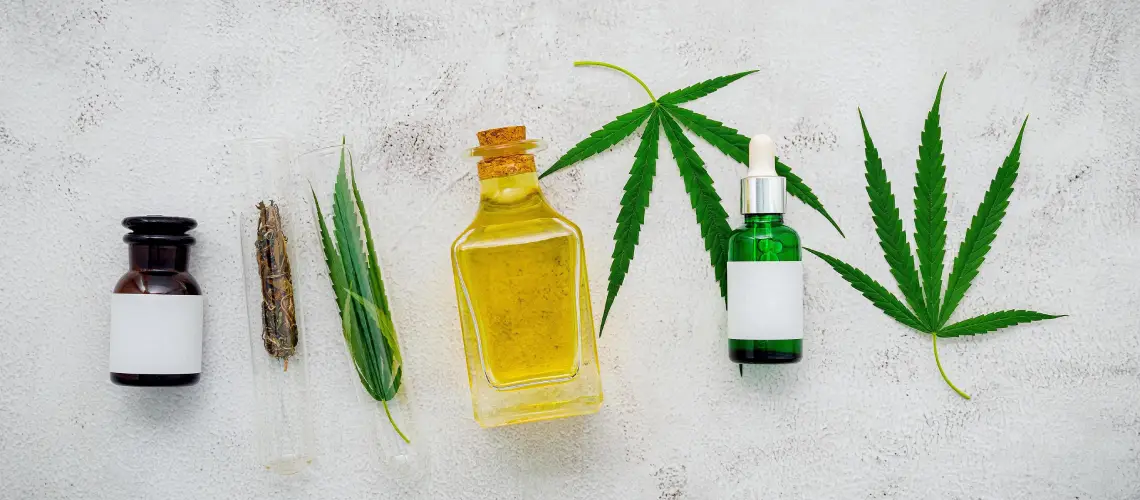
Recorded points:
765,300
156,334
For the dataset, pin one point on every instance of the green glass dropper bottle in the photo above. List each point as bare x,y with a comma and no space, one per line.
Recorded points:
765,272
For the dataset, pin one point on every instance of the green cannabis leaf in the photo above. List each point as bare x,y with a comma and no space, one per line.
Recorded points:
359,288
889,227
871,289
702,195
633,205
922,288
665,114
731,143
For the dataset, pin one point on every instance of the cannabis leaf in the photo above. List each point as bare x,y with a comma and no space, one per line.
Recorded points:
610,134
702,89
878,294
930,209
889,227
633,205
664,113
989,322
982,231
731,143
354,273
927,313
702,195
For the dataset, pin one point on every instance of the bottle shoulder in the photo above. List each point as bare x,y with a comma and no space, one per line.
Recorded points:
764,242
484,233
158,283
764,231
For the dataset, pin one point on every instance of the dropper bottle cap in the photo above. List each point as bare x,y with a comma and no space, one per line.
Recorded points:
762,191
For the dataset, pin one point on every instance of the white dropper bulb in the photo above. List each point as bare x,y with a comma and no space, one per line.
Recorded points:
762,191
761,157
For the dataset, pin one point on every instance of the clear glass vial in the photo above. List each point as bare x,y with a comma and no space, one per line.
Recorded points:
404,454
268,217
524,298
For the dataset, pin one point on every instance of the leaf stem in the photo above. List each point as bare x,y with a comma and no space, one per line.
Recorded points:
405,438
623,70
943,372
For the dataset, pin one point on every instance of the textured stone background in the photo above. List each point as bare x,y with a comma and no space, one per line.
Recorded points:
110,109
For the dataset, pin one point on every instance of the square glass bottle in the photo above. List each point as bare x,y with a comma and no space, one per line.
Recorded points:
524,299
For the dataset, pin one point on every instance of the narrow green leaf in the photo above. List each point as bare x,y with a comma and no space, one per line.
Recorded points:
889,227
983,230
724,138
396,380
930,211
798,189
993,321
346,231
697,91
332,259
703,196
872,290
375,278
365,321
385,324
382,314
603,139
388,330
735,145
351,322
632,213
356,349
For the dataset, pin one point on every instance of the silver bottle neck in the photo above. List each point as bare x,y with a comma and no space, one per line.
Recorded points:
763,195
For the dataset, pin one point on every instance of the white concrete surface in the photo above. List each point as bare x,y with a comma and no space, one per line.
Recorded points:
117,108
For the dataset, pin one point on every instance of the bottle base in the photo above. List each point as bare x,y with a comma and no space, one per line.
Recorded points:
541,411
765,352
155,380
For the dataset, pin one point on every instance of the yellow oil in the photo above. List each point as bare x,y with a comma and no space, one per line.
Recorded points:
519,279
523,295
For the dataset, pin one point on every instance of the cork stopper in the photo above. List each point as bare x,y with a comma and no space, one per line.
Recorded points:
504,152
497,136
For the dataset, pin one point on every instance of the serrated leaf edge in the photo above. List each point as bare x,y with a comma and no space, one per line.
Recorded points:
930,211
991,322
602,139
982,230
735,145
702,89
889,227
631,216
704,199
879,296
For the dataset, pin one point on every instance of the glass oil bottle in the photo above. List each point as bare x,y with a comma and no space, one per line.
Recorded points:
524,300
765,272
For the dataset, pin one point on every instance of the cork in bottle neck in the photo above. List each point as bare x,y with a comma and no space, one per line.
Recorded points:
504,152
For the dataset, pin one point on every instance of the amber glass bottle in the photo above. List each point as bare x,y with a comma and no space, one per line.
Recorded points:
157,307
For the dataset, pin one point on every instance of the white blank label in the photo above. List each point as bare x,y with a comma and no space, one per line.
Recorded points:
156,334
765,300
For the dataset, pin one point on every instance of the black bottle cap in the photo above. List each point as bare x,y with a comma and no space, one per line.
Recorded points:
159,229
